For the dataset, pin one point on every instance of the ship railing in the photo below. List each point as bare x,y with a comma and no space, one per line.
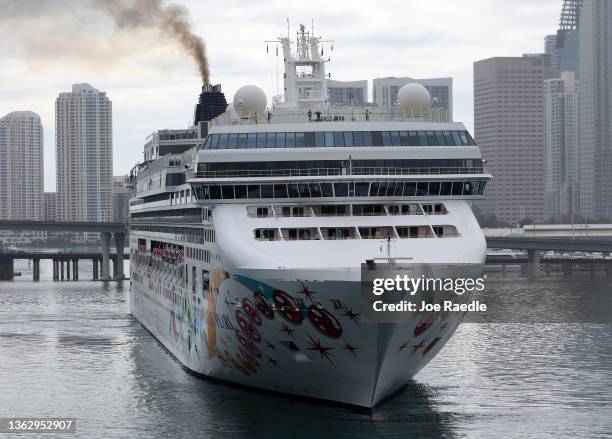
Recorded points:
325,172
331,114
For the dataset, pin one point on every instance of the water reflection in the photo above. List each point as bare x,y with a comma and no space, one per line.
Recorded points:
72,349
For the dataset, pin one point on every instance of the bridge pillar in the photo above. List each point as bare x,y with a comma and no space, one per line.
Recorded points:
114,261
61,265
35,269
533,263
75,269
94,263
7,271
106,239
120,248
68,269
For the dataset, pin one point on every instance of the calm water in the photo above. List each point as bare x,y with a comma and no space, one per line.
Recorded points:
73,350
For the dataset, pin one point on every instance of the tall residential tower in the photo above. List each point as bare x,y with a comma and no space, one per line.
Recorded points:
562,175
84,154
21,166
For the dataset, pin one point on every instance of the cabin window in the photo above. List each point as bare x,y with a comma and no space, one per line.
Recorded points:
205,282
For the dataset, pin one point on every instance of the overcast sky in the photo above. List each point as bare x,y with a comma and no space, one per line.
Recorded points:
47,45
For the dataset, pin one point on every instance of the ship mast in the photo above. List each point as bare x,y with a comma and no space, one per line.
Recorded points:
305,79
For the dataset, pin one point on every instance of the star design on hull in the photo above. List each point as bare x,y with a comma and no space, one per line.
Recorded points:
416,347
288,330
352,349
308,295
352,316
315,345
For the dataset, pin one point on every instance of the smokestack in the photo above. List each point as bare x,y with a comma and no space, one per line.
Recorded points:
211,103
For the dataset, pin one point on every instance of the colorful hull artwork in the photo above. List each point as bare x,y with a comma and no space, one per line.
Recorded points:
302,338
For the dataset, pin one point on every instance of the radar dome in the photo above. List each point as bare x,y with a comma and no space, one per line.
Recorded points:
250,99
413,98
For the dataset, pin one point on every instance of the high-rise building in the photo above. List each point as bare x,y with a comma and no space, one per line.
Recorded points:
384,91
84,154
347,93
563,51
121,199
509,128
50,206
561,124
595,30
21,166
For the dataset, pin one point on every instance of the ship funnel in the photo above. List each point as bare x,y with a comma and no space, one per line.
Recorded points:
211,103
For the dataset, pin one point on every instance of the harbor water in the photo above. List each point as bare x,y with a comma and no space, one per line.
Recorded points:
71,349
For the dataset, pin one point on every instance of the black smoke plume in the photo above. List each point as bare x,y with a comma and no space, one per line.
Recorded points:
171,19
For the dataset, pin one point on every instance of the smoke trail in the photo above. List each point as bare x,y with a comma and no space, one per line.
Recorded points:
171,19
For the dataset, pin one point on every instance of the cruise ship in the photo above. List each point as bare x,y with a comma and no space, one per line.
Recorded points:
249,231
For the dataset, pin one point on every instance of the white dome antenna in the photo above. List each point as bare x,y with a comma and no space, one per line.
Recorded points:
250,100
413,98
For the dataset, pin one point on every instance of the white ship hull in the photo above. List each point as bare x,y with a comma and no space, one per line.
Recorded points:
298,328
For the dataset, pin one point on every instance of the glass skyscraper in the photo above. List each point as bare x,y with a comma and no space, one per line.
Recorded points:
595,36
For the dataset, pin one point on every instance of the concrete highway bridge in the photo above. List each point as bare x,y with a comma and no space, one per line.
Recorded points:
532,238
106,231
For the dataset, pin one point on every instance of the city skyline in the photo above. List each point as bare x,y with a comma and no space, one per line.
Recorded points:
157,88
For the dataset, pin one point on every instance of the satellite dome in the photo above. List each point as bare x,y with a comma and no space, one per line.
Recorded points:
413,98
250,99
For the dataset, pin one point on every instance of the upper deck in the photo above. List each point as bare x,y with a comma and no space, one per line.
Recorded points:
326,114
